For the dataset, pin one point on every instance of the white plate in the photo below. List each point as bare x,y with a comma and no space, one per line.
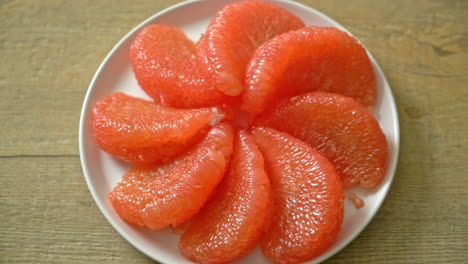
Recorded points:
102,172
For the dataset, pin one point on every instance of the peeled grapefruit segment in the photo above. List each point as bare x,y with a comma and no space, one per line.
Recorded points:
231,223
340,129
307,198
156,196
141,131
164,61
234,34
308,59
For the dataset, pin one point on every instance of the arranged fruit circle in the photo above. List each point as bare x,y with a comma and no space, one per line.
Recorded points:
252,136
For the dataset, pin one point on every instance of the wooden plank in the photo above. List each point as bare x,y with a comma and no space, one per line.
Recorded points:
50,50
48,216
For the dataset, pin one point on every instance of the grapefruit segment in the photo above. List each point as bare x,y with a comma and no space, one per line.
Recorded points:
141,131
340,129
307,198
234,34
156,196
165,66
230,224
308,59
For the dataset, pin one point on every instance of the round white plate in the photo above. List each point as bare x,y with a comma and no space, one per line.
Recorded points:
102,172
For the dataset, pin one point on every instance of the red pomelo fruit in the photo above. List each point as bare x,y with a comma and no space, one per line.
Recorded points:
156,196
234,34
141,131
231,223
304,60
307,198
165,64
340,129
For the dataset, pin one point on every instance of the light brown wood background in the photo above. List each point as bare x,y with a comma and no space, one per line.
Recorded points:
50,49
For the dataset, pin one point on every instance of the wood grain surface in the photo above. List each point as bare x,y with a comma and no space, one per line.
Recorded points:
50,49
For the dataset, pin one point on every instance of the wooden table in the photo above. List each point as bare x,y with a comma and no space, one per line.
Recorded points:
50,50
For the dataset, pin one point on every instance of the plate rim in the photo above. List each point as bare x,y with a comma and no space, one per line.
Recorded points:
391,169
